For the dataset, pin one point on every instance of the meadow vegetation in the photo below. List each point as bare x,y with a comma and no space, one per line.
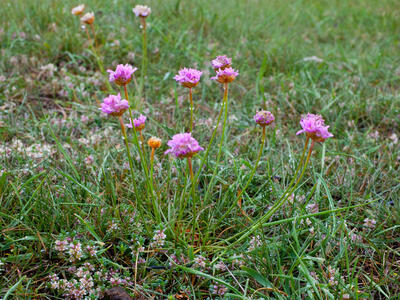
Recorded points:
249,209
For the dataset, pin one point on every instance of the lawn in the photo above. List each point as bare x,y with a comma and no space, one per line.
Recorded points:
254,211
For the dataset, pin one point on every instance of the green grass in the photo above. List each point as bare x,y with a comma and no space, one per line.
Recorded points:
44,198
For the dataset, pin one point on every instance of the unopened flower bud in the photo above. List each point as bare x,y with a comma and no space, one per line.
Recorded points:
154,142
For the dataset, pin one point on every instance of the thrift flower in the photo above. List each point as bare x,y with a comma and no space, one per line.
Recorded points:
314,127
188,77
225,75
183,145
78,10
139,123
154,142
141,11
88,18
113,105
264,118
221,62
370,223
122,74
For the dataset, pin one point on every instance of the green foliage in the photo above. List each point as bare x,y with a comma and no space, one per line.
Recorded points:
64,176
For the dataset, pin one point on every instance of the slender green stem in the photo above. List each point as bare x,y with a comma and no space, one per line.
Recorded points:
128,152
142,144
245,233
191,109
153,198
144,58
143,161
151,161
194,225
225,101
96,55
248,181
94,35
211,141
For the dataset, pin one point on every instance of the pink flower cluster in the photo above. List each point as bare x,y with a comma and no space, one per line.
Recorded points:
122,74
221,62
113,105
315,128
226,75
138,123
264,118
183,145
188,77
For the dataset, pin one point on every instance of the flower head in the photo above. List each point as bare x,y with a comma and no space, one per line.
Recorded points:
141,11
221,62
78,10
88,18
226,75
122,74
113,105
188,77
314,127
264,118
183,145
138,123
154,142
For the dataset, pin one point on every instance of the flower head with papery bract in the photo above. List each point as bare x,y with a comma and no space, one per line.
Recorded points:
221,62
141,11
264,118
78,10
154,142
122,74
139,123
314,127
226,75
113,105
188,77
88,18
183,145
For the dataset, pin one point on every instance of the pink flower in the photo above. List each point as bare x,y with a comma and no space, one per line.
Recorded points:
221,62
264,118
113,105
188,77
183,145
122,74
314,127
226,75
141,11
139,123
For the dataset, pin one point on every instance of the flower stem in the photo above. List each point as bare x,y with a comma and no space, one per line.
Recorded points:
248,181
88,35
225,101
142,142
129,155
143,161
194,225
127,97
144,58
94,35
96,55
211,140
152,168
245,233
191,109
